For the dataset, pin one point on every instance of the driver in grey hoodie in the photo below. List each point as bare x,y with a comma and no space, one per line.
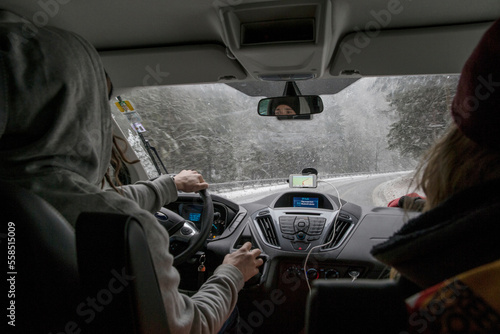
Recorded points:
55,140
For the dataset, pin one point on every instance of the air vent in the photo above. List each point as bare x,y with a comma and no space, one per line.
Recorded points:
344,224
267,228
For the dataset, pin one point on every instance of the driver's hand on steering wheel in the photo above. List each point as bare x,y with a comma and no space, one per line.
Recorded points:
245,260
190,181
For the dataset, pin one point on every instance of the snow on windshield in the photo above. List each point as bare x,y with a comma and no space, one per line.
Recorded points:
375,125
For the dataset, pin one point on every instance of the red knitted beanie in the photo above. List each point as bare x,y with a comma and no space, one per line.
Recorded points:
476,106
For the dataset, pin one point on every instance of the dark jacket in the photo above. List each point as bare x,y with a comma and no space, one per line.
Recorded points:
460,234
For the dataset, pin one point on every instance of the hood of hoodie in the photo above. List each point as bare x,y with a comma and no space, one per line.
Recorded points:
54,112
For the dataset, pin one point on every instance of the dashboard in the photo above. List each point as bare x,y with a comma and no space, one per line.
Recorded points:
304,235
299,221
291,225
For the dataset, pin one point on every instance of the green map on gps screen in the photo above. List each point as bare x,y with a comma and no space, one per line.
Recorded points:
302,181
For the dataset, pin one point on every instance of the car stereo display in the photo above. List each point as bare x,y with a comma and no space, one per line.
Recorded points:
305,202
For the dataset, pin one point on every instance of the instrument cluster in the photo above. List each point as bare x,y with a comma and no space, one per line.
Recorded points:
193,212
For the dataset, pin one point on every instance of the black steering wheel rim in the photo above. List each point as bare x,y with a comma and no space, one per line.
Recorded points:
205,223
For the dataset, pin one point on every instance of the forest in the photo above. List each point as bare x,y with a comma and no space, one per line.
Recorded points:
374,125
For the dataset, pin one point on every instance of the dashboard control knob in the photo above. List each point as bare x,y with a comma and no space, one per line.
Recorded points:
332,273
301,236
312,274
292,272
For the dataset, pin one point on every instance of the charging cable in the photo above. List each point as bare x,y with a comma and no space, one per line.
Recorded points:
335,221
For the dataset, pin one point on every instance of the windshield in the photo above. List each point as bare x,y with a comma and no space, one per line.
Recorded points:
375,125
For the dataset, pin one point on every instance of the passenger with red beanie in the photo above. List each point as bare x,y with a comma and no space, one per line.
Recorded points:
451,250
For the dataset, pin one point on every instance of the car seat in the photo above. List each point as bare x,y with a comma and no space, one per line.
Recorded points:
42,266
62,283
363,306
117,272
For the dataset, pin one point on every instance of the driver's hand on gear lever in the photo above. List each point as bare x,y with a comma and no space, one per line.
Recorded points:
190,181
245,260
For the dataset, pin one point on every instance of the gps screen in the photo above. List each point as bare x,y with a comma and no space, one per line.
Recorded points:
303,181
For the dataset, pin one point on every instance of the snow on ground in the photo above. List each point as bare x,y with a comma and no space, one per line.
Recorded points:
251,191
263,190
382,194
387,191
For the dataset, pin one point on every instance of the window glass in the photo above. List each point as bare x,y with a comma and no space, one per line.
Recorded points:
374,125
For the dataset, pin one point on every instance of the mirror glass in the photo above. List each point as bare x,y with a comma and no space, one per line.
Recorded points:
290,105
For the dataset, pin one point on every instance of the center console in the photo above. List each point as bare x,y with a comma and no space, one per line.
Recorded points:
299,221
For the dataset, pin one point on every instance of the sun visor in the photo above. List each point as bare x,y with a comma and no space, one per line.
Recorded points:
171,65
280,40
436,50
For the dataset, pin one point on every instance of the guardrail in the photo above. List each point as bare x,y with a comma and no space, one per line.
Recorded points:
240,185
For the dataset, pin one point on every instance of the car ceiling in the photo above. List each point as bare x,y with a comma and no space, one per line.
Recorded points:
140,38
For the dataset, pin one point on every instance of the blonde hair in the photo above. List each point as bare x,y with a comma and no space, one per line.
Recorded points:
453,164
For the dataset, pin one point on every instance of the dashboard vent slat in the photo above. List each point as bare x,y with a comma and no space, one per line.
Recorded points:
268,231
344,224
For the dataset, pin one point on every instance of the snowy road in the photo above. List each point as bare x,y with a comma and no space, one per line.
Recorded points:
358,189
355,189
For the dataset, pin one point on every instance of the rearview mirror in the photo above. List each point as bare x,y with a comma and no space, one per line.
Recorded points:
290,105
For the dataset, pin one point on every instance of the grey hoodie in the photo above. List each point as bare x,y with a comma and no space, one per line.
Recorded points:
55,140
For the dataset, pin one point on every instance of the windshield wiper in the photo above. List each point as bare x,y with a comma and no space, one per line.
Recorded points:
151,149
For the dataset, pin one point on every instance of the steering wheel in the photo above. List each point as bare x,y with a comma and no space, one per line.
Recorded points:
184,231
